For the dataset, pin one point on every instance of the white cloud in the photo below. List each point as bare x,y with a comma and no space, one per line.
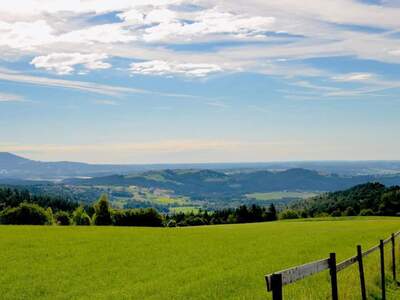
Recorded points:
91,87
354,77
106,102
208,22
105,34
158,67
64,63
5,97
25,35
146,29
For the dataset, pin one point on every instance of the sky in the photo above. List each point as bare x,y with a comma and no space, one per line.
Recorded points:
174,81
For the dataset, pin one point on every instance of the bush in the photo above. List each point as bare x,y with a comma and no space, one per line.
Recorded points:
304,214
322,215
195,221
231,219
367,212
350,211
102,215
171,223
62,218
80,217
289,214
336,213
25,214
137,217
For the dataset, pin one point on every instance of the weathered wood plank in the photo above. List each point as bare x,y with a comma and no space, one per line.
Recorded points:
389,239
294,274
370,250
346,263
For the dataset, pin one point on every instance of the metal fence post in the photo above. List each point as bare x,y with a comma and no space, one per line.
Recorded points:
276,286
333,273
393,257
382,252
361,271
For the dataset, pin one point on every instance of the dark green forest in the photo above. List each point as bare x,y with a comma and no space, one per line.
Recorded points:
364,199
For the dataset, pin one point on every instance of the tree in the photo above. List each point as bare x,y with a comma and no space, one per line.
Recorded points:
80,217
336,213
102,215
390,203
289,214
271,214
62,218
350,211
25,214
367,212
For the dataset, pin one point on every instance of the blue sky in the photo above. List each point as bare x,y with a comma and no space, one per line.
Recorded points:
200,81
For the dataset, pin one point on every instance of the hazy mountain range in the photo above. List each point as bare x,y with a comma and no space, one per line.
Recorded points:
17,167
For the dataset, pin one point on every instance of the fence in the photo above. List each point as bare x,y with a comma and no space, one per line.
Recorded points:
276,281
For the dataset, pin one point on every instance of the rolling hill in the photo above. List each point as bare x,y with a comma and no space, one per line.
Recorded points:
13,166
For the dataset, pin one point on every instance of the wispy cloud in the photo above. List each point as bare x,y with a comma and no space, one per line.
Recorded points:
5,97
80,85
354,77
106,102
158,67
163,150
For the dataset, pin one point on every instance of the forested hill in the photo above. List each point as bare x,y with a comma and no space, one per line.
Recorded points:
208,183
365,199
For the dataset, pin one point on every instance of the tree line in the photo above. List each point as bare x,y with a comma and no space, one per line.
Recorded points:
20,207
370,199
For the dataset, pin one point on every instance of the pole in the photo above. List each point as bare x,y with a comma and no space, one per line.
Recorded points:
333,273
393,258
382,251
361,271
276,282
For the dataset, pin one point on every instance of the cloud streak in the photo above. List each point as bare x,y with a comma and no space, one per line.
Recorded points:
91,87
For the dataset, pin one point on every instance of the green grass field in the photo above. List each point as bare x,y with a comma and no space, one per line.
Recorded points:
210,262
281,195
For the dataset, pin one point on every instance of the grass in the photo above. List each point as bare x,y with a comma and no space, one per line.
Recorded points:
210,262
281,195
184,209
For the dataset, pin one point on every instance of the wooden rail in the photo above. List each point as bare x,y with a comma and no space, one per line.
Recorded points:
277,280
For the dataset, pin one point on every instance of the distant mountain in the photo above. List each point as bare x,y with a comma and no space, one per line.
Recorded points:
13,166
203,184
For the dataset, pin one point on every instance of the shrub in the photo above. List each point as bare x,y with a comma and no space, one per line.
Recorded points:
137,217
171,223
25,214
80,217
304,214
195,221
367,212
231,219
350,211
62,218
102,215
289,214
336,213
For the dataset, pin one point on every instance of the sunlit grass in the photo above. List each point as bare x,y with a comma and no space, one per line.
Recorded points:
208,262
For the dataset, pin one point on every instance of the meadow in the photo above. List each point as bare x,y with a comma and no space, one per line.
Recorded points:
281,195
206,262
